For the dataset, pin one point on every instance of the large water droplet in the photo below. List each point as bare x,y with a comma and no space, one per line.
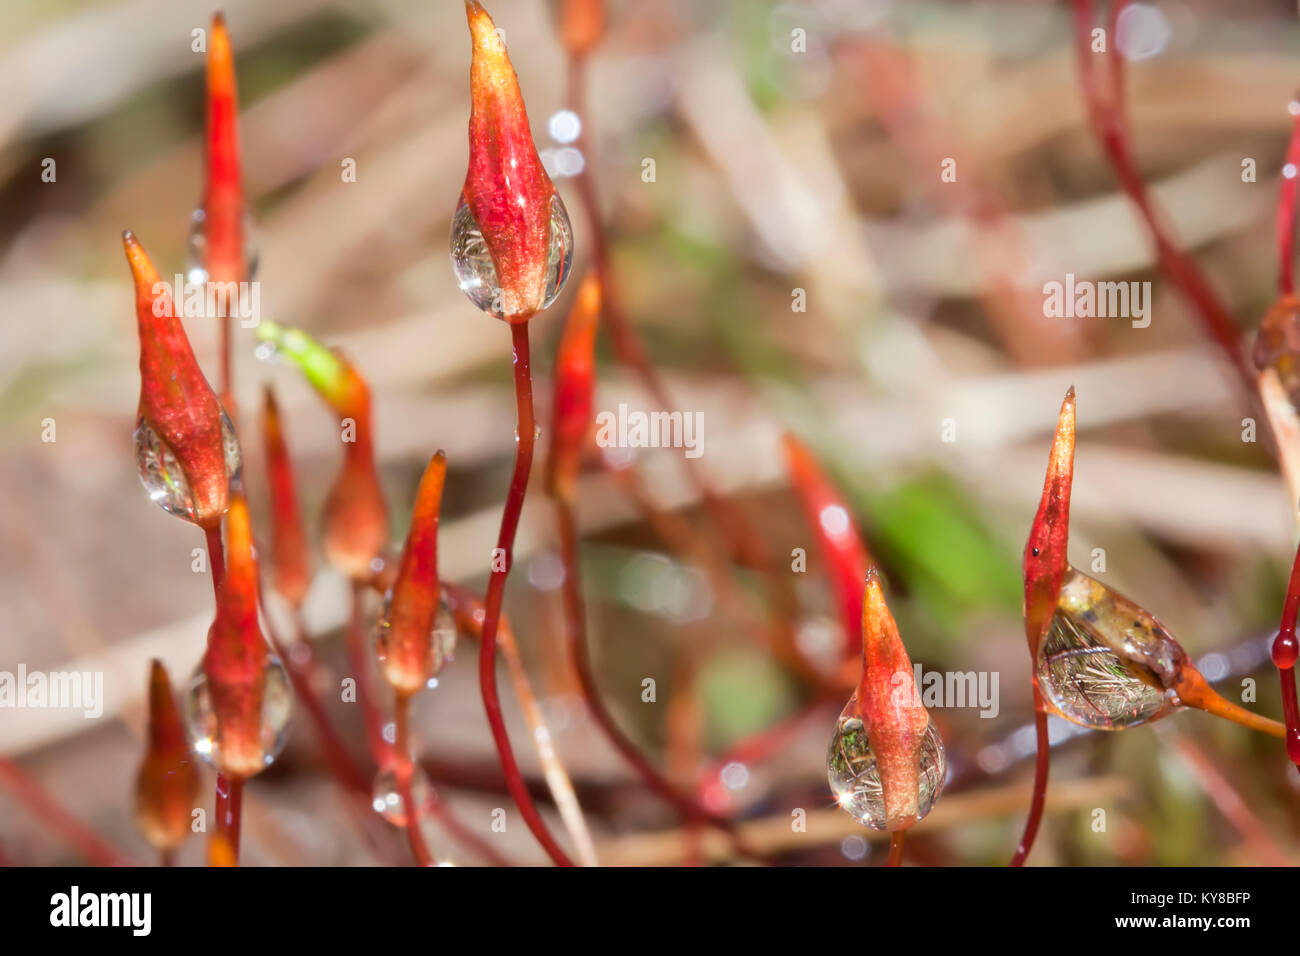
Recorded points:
442,645
196,269
476,273
1087,682
201,717
387,799
162,475
855,778
1105,662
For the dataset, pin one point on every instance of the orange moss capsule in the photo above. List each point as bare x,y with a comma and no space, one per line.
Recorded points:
838,534
220,223
886,764
291,570
355,517
167,783
575,382
186,448
238,705
416,632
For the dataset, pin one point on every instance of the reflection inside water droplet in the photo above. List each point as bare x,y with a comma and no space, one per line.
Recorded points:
1087,683
387,801
854,775
162,475
204,728
472,261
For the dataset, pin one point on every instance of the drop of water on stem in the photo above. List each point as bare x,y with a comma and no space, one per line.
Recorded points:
196,268
204,729
386,799
537,432
442,646
162,475
854,775
476,273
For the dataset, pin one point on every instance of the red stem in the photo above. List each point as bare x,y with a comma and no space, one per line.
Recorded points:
580,655
1285,651
1286,214
358,659
229,810
300,662
487,675
403,772
896,848
216,557
28,791
1042,762
1106,112
746,547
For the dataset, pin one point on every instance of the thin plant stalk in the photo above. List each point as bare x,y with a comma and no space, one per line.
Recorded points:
526,436
1042,764
216,556
229,806
1285,651
468,611
746,547
358,659
1105,104
403,772
896,848
42,805
580,655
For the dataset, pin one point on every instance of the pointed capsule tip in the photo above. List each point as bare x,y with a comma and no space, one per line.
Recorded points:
1069,394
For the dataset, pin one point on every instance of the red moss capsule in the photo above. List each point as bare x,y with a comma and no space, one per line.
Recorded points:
1046,559
575,381
218,240
840,540
238,705
413,634
291,570
186,449
886,764
355,516
511,242
167,783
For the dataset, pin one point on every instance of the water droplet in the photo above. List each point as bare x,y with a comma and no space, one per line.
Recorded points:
476,273
537,432
266,351
201,717
442,647
1079,671
162,475
196,270
855,778
386,799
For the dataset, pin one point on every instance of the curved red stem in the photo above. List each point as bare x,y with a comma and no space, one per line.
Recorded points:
1042,762
1285,648
229,810
580,655
27,791
1105,105
487,675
